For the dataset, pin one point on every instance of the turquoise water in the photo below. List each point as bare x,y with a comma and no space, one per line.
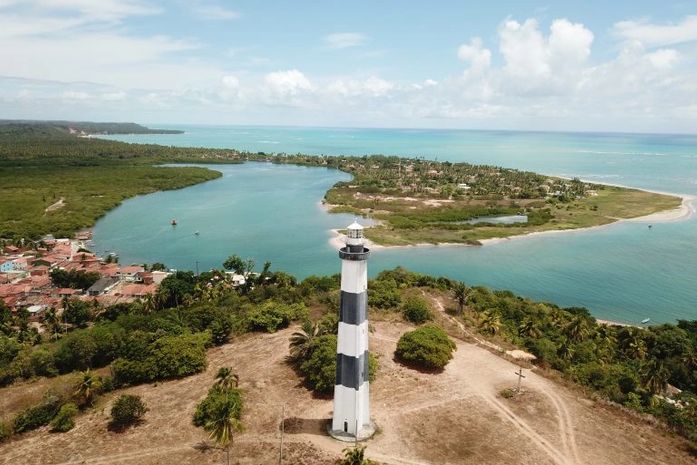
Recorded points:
624,272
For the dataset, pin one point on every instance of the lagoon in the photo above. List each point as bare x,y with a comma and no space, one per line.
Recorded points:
625,272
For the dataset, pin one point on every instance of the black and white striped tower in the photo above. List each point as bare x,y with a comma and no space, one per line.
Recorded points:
351,419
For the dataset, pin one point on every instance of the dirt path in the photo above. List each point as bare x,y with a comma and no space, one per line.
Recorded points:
56,205
452,418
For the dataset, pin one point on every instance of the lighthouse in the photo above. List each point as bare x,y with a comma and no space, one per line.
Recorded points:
351,418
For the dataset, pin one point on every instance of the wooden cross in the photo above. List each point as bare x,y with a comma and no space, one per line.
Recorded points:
520,376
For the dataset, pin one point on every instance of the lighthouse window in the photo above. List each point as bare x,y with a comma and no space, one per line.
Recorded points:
354,234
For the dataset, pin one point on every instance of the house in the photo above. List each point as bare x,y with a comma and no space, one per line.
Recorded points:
136,290
102,286
130,273
64,292
41,270
6,265
10,249
463,186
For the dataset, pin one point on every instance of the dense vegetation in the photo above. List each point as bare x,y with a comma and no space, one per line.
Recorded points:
89,127
65,183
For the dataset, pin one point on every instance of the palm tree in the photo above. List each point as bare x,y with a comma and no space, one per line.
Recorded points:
226,378
222,426
577,329
528,328
354,456
655,376
300,340
88,385
490,322
461,294
565,351
52,323
633,345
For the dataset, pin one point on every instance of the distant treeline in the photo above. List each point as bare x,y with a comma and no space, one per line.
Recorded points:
93,128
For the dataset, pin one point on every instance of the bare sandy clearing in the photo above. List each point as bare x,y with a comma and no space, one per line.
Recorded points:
455,417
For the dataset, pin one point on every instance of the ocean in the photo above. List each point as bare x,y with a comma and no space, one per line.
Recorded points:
624,272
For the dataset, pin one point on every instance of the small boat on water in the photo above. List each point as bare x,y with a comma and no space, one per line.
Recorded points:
196,233
645,320
173,222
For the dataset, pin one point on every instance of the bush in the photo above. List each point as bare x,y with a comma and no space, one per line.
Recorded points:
65,420
216,400
126,411
426,347
415,310
272,316
37,416
167,357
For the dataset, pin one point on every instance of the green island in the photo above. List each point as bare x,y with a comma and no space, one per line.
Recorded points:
64,183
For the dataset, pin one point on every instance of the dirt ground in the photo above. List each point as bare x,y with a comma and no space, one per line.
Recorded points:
455,417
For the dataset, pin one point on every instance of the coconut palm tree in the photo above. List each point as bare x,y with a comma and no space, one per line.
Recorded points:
223,425
226,378
632,344
655,376
87,386
490,322
528,328
577,329
461,294
566,350
300,340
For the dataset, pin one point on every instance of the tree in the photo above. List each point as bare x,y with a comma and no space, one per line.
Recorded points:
127,410
528,328
239,265
219,414
577,329
76,312
226,378
490,322
87,386
300,340
654,376
461,294
354,456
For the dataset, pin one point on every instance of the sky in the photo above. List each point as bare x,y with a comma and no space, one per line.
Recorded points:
626,66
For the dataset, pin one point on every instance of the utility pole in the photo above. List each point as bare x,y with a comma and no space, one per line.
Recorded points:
520,376
196,267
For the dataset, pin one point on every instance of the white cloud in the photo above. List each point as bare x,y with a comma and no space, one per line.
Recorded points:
372,86
215,12
478,56
345,40
658,34
75,95
287,83
664,58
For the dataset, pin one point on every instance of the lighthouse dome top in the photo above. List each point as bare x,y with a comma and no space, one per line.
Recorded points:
355,225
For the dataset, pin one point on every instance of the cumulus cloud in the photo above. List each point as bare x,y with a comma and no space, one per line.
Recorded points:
658,34
287,83
478,56
341,40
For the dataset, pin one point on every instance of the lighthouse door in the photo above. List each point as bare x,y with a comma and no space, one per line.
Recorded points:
345,426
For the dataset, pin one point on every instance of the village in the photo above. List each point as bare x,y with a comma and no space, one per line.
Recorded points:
30,276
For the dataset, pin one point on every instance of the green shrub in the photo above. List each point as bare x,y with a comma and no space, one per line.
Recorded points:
427,347
272,316
217,399
126,411
167,357
65,419
37,416
415,310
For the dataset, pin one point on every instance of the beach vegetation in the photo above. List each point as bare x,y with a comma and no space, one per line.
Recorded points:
427,347
127,410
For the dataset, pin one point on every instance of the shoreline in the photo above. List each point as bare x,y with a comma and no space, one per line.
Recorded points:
684,212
